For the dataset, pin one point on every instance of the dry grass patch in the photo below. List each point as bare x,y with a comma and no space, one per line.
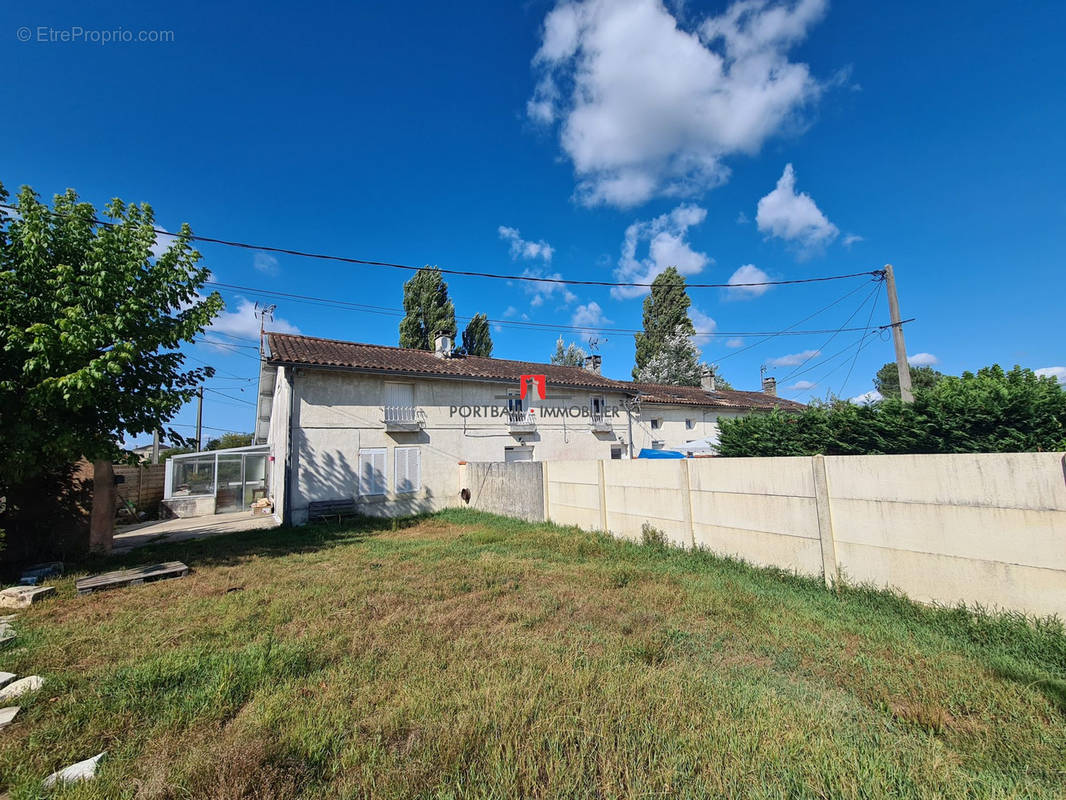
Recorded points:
464,655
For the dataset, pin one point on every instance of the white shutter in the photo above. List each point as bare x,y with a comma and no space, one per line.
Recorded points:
408,469
372,479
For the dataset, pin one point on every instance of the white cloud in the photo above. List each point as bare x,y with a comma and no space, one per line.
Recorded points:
667,247
749,273
1055,372
544,290
792,359
650,106
742,219
266,263
794,217
866,398
735,342
590,315
521,248
510,311
802,386
922,360
244,323
850,239
704,326
163,241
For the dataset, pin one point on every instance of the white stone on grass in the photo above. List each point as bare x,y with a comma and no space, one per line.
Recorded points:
7,715
20,687
81,771
6,678
24,596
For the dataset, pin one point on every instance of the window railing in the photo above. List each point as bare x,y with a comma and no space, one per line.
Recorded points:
521,418
401,415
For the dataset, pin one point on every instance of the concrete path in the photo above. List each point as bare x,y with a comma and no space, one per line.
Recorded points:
127,537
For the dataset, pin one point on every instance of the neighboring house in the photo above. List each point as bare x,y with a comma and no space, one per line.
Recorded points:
387,426
672,415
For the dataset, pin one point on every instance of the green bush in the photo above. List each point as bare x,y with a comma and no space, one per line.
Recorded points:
992,411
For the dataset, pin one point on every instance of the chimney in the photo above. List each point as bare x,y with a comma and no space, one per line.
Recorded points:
769,386
442,345
708,381
592,363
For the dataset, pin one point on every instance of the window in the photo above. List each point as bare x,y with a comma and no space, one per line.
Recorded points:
518,453
514,402
372,480
596,405
408,469
616,452
400,402
690,424
656,424
657,444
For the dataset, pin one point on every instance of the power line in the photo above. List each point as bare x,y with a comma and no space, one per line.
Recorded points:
839,300
231,397
473,273
361,307
852,367
821,348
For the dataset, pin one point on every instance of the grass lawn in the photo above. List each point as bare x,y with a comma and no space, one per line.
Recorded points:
465,655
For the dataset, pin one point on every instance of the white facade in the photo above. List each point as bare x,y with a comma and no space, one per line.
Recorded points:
662,426
330,427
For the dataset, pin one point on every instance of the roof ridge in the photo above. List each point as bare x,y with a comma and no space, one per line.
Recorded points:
430,352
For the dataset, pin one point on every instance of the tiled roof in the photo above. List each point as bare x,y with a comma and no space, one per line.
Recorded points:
310,351
695,396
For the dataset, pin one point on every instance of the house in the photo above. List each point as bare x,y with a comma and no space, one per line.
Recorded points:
386,426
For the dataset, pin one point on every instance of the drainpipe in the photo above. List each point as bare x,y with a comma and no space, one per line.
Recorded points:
286,510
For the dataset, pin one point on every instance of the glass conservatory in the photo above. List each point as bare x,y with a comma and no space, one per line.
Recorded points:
216,481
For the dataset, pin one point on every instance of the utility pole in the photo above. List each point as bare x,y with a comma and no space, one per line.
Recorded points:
199,419
904,369
262,312
155,446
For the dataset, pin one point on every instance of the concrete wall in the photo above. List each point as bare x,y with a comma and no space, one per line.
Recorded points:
981,528
513,490
337,413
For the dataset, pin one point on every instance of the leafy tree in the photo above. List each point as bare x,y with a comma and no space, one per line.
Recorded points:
676,362
429,311
173,451
665,314
886,381
476,338
90,322
992,411
227,440
568,355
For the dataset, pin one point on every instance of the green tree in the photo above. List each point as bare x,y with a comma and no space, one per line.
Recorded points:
568,355
228,440
476,338
676,363
992,411
886,381
665,314
90,321
429,311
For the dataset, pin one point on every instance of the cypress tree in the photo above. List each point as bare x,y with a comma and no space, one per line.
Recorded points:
476,338
665,316
429,310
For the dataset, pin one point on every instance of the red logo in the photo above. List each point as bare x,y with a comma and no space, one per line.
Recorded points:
536,379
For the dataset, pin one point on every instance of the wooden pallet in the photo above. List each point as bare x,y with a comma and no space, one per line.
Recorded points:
131,577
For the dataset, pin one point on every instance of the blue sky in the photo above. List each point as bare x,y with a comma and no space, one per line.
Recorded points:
593,140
